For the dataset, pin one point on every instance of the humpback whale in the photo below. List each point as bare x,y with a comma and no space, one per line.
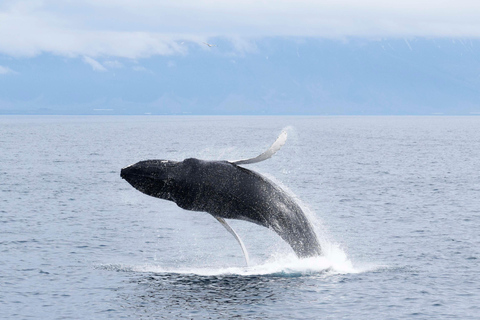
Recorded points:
227,190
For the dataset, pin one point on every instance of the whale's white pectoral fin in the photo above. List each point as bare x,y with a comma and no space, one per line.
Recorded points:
229,229
282,138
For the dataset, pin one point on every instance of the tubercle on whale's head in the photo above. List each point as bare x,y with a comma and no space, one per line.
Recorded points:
152,177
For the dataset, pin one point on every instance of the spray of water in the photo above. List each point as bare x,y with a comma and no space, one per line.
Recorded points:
277,265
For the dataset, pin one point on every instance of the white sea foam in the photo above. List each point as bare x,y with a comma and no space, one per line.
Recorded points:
334,261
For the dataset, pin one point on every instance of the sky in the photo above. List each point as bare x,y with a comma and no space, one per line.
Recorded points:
303,57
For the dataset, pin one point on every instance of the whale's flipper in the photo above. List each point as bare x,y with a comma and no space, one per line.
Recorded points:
229,229
267,154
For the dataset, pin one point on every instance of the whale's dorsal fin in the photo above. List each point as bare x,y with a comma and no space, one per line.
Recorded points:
267,154
229,229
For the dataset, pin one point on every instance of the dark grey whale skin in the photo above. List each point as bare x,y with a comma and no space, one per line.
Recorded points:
228,191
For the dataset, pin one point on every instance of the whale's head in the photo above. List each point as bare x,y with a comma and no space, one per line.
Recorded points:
152,177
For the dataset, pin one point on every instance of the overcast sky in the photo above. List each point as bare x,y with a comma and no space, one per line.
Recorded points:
65,43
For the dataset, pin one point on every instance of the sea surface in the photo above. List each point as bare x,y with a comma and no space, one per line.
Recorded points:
395,202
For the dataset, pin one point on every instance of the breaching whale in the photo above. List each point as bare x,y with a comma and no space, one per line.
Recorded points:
228,191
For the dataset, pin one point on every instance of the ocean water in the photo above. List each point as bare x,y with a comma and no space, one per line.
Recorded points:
395,201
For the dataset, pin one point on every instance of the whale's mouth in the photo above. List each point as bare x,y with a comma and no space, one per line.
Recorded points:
150,177
129,173
126,172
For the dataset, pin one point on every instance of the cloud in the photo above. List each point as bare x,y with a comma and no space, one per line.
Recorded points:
113,64
64,29
6,70
143,28
96,66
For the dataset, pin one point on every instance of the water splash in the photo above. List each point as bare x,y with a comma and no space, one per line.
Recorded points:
335,262
334,256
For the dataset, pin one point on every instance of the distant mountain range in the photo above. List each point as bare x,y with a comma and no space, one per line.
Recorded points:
275,76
